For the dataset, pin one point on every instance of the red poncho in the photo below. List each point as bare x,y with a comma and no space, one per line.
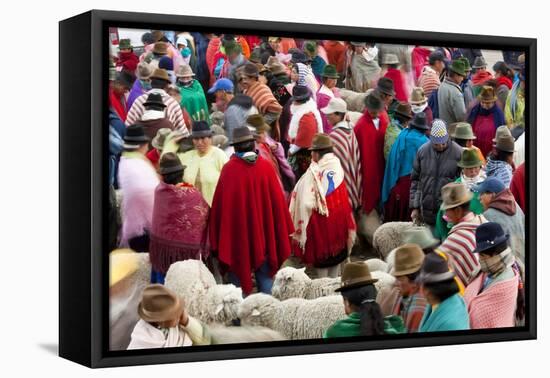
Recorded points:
249,219
398,83
180,218
128,61
118,104
420,57
517,186
371,146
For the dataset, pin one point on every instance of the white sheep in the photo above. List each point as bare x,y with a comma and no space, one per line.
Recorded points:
204,299
385,281
295,318
377,265
295,283
354,100
244,334
390,260
389,236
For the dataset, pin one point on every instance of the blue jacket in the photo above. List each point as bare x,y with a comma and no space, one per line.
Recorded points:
450,315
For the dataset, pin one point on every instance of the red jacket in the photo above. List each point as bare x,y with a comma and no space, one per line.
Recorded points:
398,84
371,146
517,186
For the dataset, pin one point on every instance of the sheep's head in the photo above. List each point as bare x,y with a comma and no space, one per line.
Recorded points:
217,118
290,283
223,303
257,309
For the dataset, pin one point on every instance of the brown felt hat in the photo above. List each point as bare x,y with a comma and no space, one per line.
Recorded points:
404,110
159,304
356,274
160,48
250,69
161,74
408,259
487,94
257,121
418,96
455,194
170,163
320,142
505,143
275,66
241,134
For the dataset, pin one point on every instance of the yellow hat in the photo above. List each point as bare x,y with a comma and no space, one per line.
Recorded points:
123,263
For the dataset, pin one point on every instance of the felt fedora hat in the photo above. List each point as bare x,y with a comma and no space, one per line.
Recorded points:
489,235
159,304
135,134
458,66
479,62
170,163
299,57
144,71
455,194
502,131
160,138
419,122
275,66
320,141
404,110
421,236
160,48
385,85
241,134
469,159
250,69
463,130
487,94
417,96
161,74
125,44
154,99
505,143
329,71
390,59
434,269
200,130
257,122
408,259
300,93
356,274
184,70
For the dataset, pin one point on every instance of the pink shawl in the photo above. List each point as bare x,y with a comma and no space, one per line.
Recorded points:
494,307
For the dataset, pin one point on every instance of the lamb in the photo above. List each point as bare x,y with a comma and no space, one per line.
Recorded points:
295,318
245,334
389,236
354,100
217,118
295,283
204,299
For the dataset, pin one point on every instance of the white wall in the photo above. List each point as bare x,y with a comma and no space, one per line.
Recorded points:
29,206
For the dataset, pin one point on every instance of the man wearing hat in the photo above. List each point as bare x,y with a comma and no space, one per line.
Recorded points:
142,83
319,203
446,309
450,97
495,298
154,117
327,92
165,322
235,59
305,122
249,223
126,60
269,48
419,103
396,185
472,175
435,165
390,63
370,131
501,207
485,117
157,145
346,148
176,203
117,93
386,91
223,90
262,97
410,304
398,122
137,180
311,49
361,66
192,95
481,75
160,81
204,162
364,314
460,242
501,159
464,136
429,78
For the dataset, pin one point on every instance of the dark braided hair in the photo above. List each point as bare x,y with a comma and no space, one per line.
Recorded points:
364,298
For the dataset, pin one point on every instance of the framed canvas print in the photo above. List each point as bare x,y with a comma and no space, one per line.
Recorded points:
236,188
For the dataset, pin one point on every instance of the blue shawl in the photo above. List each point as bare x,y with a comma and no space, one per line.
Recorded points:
450,315
401,158
498,115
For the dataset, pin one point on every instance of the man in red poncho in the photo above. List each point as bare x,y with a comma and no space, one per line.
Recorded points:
250,224
370,131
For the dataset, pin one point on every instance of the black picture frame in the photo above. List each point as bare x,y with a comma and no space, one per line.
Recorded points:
83,256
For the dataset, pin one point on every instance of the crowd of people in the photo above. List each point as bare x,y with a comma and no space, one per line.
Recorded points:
252,153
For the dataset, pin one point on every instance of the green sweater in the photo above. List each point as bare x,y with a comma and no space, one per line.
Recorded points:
351,326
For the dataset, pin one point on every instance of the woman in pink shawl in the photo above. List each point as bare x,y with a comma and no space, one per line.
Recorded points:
495,296
180,217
